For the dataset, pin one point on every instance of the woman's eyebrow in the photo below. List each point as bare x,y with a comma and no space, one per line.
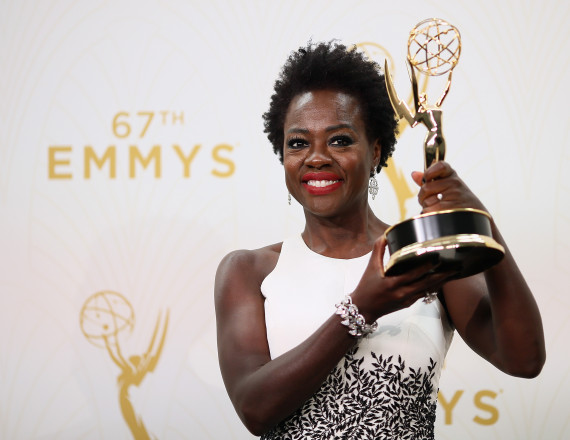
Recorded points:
298,130
328,129
339,126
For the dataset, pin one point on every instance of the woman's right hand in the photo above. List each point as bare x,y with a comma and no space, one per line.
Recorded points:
377,295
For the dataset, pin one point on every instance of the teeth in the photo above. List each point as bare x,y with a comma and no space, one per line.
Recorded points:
321,183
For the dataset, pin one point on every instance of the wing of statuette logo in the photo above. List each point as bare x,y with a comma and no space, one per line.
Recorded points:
400,107
103,317
377,53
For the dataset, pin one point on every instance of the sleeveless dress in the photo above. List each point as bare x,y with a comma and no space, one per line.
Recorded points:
386,386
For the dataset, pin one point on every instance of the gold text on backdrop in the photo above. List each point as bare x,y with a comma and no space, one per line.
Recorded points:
64,160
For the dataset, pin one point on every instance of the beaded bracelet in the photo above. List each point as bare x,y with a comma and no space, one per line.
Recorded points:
353,320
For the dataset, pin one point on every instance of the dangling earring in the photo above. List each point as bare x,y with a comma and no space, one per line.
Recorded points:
373,186
289,198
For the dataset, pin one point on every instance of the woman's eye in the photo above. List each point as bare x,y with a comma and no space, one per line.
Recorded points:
296,143
341,141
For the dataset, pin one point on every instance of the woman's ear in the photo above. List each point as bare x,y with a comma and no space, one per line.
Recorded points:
377,152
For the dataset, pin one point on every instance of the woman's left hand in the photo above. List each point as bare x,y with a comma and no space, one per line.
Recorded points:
441,189
495,311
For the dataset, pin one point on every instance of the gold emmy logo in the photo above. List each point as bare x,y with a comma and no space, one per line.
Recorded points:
377,53
103,316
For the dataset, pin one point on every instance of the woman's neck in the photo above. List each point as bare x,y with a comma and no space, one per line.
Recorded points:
347,237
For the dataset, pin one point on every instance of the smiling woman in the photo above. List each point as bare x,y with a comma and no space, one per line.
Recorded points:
314,341
327,156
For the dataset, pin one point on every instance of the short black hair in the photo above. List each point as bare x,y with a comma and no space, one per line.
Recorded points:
331,65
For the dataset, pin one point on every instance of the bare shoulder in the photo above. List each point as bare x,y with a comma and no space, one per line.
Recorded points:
246,267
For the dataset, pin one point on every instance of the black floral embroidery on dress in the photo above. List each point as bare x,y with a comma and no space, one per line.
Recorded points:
389,401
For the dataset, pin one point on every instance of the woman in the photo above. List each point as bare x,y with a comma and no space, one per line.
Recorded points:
297,366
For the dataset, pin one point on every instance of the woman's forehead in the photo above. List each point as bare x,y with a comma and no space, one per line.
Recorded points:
325,105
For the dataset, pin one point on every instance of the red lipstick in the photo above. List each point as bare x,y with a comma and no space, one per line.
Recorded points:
321,183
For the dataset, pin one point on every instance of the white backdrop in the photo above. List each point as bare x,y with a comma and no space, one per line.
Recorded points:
91,91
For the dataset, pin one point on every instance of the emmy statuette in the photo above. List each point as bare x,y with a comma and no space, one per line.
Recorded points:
459,239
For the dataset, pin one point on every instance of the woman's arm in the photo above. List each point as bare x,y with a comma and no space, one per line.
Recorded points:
494,312
264,391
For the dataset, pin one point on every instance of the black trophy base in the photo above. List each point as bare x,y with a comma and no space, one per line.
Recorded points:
458,240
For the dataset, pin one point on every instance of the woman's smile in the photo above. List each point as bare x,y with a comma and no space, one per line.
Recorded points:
321,183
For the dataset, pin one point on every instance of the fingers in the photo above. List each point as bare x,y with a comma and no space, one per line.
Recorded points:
438,192
377,294
424,276
427,281
430,281
436,280
441,188
433,183
414,277
418,177
438,170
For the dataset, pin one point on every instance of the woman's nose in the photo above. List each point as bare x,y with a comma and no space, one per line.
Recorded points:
319,156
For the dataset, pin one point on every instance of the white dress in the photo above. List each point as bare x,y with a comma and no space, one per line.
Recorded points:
384,388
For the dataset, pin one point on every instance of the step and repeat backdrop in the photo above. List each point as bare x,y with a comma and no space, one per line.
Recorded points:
132,159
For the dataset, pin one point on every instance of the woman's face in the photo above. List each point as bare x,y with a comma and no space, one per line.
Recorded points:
326,154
